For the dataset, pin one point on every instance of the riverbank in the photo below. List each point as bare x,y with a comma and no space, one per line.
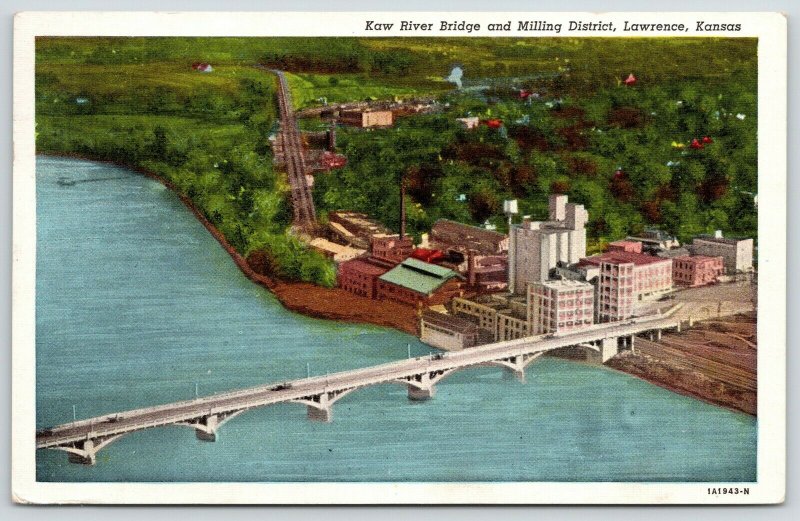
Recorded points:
665,369
714,362
301,297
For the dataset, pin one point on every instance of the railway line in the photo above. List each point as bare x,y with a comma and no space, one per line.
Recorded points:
304,214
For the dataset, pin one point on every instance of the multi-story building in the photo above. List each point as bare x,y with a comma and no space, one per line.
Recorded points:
557,306
697,270
392,248
737,254
418,283
447,332
538,247
615,291
360,277
502,318
652,276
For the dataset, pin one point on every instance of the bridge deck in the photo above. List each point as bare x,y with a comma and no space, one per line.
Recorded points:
244,399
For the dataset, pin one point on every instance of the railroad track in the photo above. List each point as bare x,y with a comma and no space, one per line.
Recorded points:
725,373
304,214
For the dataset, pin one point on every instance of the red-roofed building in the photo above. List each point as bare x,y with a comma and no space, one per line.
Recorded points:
626,277
360,277
697,270
428,255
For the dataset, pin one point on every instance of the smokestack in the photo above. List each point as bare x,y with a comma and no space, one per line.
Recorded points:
402,207
471,276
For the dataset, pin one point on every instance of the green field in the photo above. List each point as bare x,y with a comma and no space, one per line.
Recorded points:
137,101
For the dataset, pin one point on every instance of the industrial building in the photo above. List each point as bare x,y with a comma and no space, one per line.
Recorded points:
360,277
336,252
391,248
503,318
418,283
538,247
558,306
447,332
697,270
356,229
737,254
448,235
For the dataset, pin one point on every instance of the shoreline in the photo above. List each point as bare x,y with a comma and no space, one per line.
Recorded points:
336,304
300,297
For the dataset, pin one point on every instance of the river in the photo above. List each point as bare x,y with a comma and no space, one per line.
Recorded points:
136,305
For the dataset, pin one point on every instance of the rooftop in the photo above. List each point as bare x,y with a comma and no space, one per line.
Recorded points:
621,257
721,240
697,258
364,266
451,322
564,284
471,237
418,276
325,244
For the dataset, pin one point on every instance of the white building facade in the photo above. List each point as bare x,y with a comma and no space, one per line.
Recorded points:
539,246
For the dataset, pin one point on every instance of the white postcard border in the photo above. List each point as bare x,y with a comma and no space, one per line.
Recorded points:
770,28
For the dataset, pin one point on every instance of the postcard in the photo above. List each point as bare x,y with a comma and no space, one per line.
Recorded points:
399,258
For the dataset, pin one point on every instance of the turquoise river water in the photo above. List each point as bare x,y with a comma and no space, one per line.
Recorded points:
136,305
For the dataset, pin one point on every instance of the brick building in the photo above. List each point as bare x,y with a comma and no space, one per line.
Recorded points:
697,270
447,331
737,254
418,283
391,248
560,306
629,246
360,277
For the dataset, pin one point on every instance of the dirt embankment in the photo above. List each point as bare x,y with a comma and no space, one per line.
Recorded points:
714,362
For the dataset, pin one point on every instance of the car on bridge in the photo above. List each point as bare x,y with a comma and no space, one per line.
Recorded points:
281,387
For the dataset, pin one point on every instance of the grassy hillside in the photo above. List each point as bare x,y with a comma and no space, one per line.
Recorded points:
138,101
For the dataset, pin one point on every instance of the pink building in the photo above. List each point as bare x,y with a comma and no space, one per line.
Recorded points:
556,306
626,277
629,246
697,270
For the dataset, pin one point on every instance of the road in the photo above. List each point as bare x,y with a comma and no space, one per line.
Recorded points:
302,200
304,389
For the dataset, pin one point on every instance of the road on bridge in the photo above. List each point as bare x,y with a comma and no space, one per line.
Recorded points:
184,412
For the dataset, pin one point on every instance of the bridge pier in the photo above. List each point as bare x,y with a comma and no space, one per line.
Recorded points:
322,410
86,454
206,429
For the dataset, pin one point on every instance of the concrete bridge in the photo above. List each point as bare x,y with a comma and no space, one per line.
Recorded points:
84,438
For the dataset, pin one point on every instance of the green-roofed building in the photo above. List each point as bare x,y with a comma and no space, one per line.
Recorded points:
419,283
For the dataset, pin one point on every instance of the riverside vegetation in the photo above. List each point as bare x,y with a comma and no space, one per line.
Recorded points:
624,152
